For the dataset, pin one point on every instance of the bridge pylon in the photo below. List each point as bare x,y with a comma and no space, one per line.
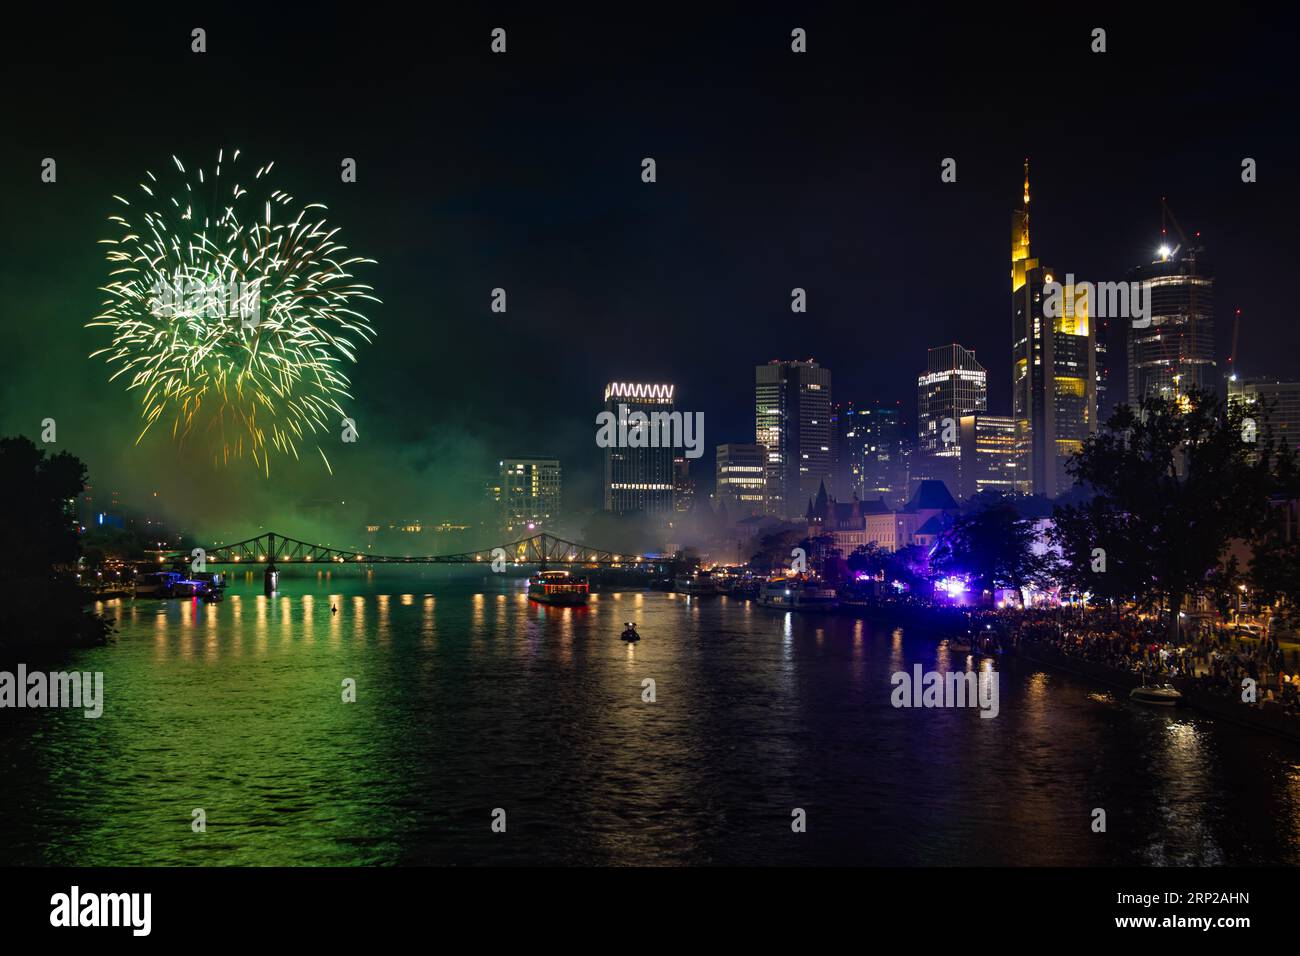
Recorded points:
271,576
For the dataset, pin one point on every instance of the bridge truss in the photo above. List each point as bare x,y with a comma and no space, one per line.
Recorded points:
540,549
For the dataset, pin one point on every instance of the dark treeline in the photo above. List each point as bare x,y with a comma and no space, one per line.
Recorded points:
41,601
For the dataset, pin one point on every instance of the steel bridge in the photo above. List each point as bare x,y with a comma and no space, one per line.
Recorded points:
271,549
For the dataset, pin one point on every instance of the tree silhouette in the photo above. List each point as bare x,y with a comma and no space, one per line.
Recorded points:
41,602
1175,482
994,545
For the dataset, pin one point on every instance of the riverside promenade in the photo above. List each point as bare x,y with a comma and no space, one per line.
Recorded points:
1124,655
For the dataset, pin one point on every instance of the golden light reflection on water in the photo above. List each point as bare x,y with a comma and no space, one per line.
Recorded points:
160,636
502,616
896,650
284,609
1037,694
858,660
1179,764
358,618
308,617
237,616
383,630
259,624
566,634
212,640
428,627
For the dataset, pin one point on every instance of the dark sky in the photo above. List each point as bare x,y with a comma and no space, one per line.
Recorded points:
522,171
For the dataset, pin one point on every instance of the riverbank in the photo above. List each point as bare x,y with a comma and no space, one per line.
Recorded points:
1266,715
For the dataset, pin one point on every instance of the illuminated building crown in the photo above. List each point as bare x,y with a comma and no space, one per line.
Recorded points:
663,393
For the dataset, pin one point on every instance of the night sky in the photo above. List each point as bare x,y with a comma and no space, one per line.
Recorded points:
522,171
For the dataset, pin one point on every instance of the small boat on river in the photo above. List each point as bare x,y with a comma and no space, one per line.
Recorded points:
1162,695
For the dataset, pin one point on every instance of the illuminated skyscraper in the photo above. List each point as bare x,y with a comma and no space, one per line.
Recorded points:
742,479
869,460
953,385
1053,369
529,493
683,483
1176,351
792,419
638,478
846,452
988,454
879,429
1106,396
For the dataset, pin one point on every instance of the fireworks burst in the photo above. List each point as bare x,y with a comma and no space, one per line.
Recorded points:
232,312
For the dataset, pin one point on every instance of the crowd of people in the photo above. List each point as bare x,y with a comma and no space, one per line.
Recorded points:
1212,659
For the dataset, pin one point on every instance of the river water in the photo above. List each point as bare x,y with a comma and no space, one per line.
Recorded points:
471,699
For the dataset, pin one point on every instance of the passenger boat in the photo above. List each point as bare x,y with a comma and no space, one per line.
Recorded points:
156,584
696,582
1164,695
557,587
797,594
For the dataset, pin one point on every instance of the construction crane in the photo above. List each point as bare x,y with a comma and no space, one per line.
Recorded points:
1168,214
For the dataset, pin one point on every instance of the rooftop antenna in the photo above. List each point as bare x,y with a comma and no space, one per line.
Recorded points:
1232,356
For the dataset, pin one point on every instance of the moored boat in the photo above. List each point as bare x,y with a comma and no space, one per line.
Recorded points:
696,582
156,584
1164,695
797,594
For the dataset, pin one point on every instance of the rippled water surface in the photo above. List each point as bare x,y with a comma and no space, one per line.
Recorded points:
471,698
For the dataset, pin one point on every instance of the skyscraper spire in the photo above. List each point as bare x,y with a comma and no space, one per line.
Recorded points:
1026,207
1020,260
